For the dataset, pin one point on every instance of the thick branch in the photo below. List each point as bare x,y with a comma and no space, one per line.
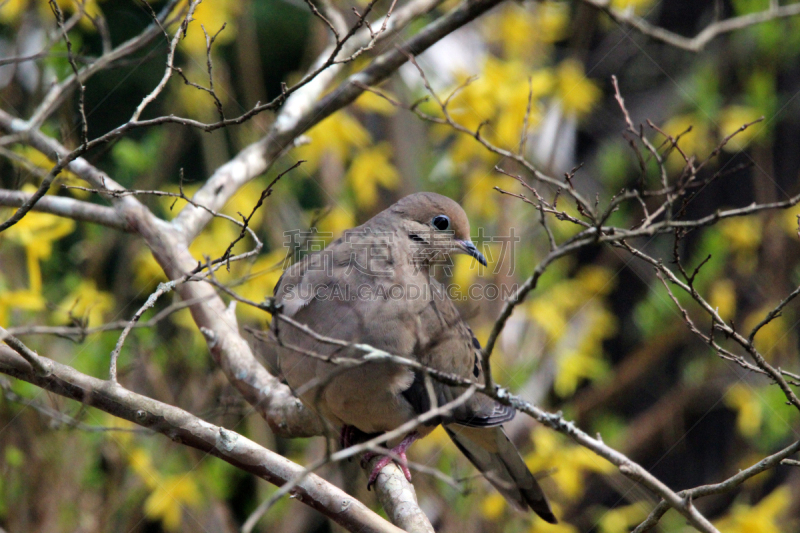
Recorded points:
68,208
272,399
185,428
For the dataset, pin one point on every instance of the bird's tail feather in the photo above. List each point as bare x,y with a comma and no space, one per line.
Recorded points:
490,450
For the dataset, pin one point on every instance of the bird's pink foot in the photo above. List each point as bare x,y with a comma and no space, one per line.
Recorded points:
399,451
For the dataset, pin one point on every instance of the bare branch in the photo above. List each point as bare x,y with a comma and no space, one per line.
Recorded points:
725,486
81,89
304,110
184,428
447,119
776,312
417,522
718,323
81,331
695,44
68,208
41,365
246,220
273,400
163,288
59,92
179,33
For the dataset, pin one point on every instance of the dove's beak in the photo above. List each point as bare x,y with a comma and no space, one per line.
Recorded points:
470,249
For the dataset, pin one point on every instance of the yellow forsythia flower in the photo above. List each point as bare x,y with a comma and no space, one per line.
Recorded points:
500,95
577,93
260,282
638,6
210,15
37,232
621,519
572,461
167,501
553,21
574,367
142,465
11,10
694,139
369,101
336,221
493,506
722,296
540,526
743,234
734,117
595,280
169,494
38,159
147,273
523,32
85,302
790,222
760,518
338,135
90,8
369,169
747,405
24,299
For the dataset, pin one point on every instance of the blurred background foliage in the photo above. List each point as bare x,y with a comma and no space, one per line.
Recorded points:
599,339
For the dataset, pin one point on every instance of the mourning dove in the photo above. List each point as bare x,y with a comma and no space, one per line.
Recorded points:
374,286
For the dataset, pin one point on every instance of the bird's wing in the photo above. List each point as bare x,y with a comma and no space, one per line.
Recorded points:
447,344
322,291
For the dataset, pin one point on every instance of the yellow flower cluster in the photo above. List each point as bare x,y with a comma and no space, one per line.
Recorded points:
573,461
527,33
699,134
85,303
368,170
764,517
211,16
11,11
576,306
169,494
622,519
744,237
343,139
500,95
722,297
36,233
638,6
748,405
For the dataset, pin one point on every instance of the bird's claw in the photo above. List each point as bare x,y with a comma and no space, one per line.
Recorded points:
376,470
399,451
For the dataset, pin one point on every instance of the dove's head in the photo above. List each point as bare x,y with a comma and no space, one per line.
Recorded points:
435,220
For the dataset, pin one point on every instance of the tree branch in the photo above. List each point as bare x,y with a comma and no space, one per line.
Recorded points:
732,482
68,208
184,428
698,43
305,111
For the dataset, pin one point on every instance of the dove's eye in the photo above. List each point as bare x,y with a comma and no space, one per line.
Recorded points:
441,222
